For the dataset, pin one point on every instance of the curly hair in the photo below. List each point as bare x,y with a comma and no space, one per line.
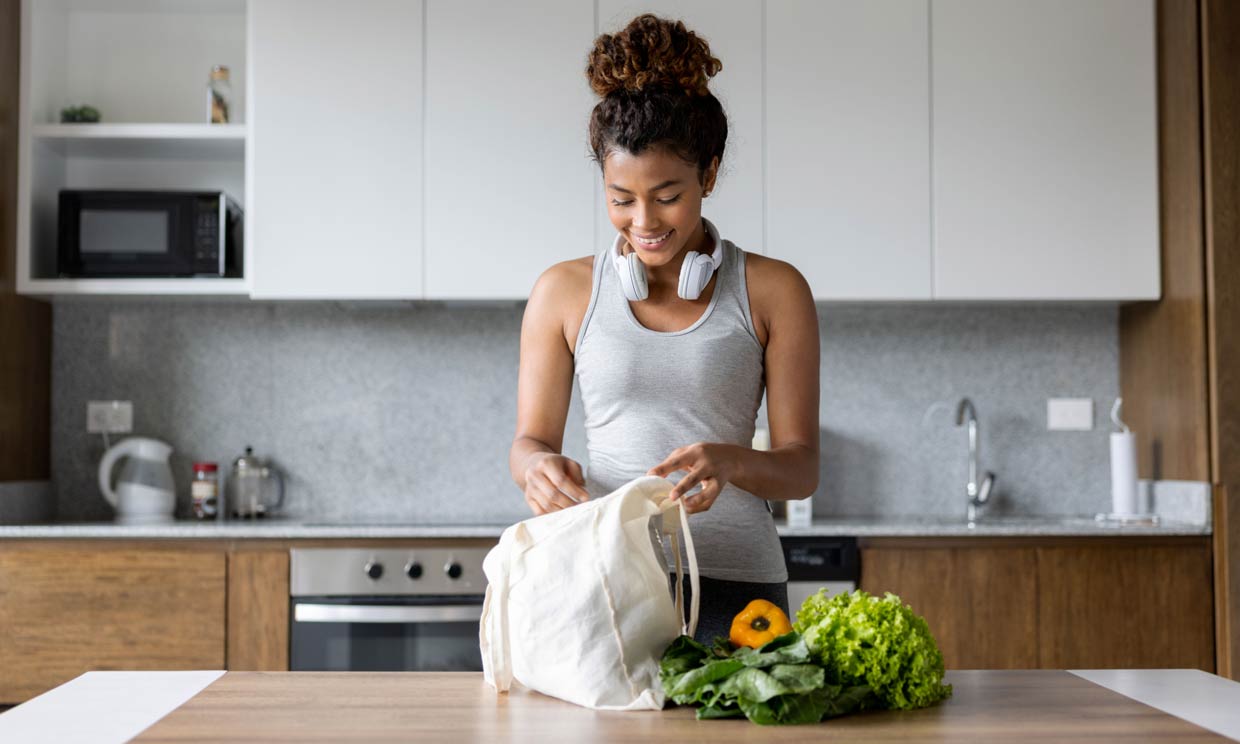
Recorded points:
652,77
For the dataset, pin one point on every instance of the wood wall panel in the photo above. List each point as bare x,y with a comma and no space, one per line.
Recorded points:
25,324
258,605
1226,546
1163,344
1125,607
1220,35
25,388
980,603
10,55
64,612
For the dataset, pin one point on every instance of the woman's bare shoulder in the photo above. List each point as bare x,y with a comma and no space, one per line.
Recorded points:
770,273
562,294
775,287
565,280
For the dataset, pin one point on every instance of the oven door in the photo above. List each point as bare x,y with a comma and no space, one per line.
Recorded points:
385,634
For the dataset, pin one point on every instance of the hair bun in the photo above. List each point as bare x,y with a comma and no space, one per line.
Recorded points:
651,52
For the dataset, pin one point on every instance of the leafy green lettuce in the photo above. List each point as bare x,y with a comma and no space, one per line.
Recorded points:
860,640
776,684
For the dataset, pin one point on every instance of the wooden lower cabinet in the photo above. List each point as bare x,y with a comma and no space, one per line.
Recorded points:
67,607
68,610
981,604
73,607
1068,604
258,610
1126,606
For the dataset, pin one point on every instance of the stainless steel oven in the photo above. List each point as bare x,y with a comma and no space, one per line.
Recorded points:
389,609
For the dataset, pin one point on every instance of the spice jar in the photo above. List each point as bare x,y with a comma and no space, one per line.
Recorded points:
219,95
205,490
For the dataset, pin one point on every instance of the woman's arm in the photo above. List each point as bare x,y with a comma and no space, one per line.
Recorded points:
784,312
787,326
544,387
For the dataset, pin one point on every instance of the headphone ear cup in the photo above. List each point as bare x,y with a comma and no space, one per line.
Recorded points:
694,275
633,278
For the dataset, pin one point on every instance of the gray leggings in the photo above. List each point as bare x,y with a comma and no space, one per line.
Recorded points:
722,600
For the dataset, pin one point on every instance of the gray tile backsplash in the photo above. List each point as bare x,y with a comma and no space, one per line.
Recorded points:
408,412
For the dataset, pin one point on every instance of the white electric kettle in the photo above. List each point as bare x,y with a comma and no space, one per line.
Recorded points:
144,492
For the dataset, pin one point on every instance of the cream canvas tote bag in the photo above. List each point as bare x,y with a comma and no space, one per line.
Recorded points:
577,603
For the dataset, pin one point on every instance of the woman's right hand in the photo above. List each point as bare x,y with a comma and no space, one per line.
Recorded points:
553,482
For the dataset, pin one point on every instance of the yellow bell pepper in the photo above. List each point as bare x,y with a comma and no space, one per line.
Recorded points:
758,624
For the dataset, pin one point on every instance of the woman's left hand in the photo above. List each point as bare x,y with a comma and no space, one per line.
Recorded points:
707,464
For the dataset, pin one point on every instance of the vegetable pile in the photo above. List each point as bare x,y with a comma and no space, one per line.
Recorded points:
844,653
860,639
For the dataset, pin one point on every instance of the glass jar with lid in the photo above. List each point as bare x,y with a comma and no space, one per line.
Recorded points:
219,96
205,490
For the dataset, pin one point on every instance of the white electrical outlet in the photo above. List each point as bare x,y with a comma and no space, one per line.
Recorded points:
1069,414
112,416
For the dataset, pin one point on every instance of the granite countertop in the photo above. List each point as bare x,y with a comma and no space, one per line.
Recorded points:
292,529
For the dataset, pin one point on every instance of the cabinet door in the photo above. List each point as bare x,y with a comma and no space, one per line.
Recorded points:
980,603
258,603
1045,150
65,611
336,149
734,32
509,186
847,144
1134,607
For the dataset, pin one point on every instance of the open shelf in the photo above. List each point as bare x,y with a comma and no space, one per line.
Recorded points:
194,287
138,141
141,131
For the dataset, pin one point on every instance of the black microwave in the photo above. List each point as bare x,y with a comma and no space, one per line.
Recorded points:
111,233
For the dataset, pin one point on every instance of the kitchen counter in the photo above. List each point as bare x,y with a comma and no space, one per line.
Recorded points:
1012,706
854,527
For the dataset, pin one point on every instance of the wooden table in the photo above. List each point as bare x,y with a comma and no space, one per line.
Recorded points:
1007,706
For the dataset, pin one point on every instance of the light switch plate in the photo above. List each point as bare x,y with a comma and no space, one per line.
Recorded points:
1069,414
112,416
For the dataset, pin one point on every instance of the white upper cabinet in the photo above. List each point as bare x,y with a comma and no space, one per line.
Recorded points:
509,186
847,145
1045,150
336,135
734,32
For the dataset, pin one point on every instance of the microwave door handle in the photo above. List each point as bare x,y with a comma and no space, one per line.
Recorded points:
338,613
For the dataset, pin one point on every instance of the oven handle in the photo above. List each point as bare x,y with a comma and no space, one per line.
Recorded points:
335,613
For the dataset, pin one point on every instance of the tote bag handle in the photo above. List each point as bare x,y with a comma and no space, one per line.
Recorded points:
694,581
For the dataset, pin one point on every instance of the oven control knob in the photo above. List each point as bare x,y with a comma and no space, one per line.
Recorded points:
414,570
374,570
453,570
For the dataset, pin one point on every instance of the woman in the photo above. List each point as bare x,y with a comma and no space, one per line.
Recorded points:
672,350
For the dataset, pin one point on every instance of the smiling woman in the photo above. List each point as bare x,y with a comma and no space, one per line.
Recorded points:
673,332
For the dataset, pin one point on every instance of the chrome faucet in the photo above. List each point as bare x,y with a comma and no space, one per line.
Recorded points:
979,494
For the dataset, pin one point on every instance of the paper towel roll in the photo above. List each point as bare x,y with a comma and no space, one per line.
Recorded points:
1124,472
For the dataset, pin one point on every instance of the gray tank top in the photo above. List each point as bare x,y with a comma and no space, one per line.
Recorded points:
646,393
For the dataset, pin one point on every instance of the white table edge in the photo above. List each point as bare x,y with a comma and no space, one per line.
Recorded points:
1201,698
102,707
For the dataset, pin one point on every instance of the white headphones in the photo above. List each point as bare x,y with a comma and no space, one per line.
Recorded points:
695,272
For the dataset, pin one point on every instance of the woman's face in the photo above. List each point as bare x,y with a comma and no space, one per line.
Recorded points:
655,201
